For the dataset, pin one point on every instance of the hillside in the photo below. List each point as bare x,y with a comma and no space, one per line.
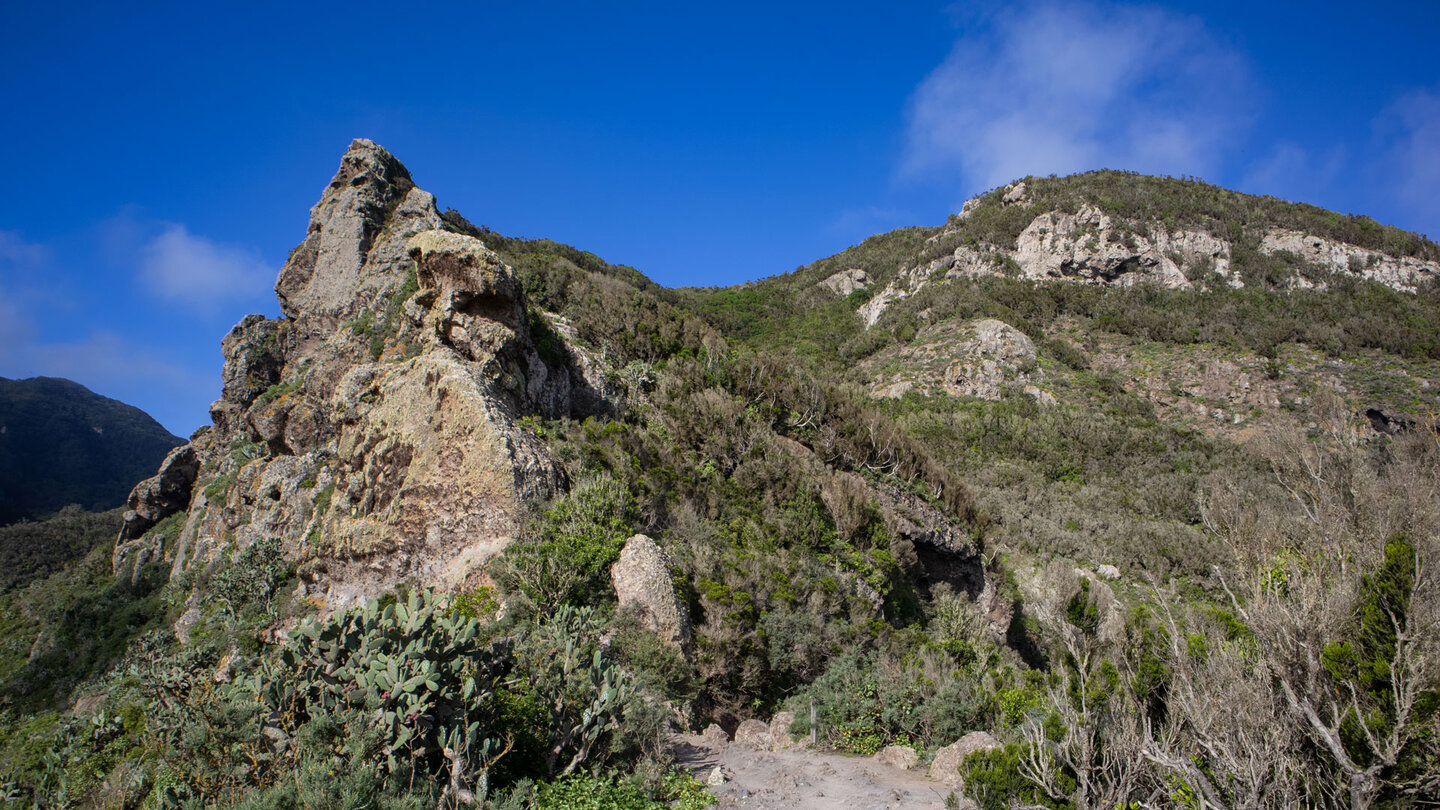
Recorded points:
1111,490
62,444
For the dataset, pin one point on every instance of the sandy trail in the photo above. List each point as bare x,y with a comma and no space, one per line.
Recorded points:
798,779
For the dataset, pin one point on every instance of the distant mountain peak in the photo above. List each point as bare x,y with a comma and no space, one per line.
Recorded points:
62,444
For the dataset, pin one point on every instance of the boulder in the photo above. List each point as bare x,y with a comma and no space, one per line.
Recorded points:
643,581
780,729
715,735
946,765
1108,572
847,281
755,733
898,756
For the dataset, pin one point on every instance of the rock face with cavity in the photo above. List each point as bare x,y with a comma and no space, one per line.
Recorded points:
373,428
1090,246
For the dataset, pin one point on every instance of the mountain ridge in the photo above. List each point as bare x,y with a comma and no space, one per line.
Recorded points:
62,444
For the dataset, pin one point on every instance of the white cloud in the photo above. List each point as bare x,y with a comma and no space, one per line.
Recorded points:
1292,172
1408,132
1051,89
188,269
14,250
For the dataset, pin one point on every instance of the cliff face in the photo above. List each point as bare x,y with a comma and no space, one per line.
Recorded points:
373,428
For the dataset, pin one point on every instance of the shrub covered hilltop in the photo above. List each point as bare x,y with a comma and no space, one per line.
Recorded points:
1137,475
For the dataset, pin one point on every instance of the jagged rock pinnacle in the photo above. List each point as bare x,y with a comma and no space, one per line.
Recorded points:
356,233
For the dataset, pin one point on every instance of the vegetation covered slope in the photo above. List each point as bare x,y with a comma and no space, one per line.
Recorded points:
62,444
1170,562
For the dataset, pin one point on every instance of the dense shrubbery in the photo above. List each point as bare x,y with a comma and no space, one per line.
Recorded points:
34,550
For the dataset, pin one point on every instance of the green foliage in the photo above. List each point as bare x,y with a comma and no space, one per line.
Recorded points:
594,711
78,622
278,390
995,781
866,702
570,548
1081,611
413,673
247,587
31,551
1363,661
679,791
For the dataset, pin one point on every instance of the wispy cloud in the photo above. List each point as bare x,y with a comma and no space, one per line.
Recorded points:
1049,88
134,360
1292,172
15,252
116,366
201,273
1408,151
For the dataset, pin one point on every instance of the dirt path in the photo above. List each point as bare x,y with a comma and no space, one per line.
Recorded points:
798,779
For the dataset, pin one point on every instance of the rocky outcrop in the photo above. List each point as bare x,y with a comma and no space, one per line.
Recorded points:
988,356
643,582
1402,273
847,281
982,358
1090,246
356,239
946,765
373,429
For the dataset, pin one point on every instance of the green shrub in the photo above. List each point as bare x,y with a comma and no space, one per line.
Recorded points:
567,557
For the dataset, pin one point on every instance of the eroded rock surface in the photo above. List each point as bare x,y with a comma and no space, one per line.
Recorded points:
373,428
1402,273
644,582
981,358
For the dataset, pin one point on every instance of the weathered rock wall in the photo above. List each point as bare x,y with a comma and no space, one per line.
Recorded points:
372,428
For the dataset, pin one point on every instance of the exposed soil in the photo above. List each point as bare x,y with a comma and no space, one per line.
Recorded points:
800,779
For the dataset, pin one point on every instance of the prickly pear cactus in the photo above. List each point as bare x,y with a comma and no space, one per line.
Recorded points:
415,671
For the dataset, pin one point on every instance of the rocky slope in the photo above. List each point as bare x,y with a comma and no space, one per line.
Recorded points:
1092,246
62,444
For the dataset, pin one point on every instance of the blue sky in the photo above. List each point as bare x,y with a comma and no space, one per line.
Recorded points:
162,158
